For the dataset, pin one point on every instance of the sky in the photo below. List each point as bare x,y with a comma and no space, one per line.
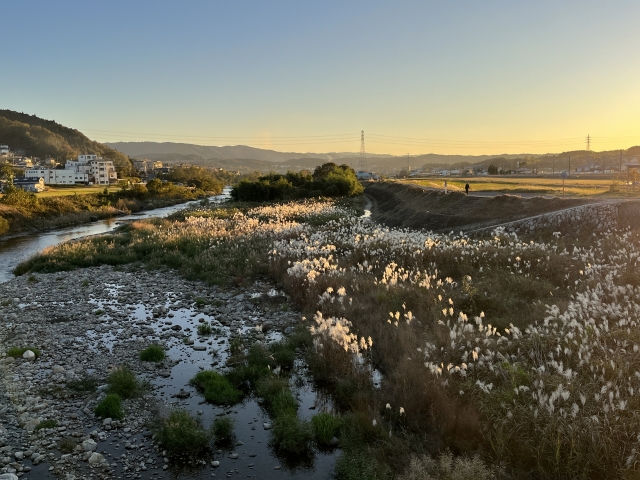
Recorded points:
462,76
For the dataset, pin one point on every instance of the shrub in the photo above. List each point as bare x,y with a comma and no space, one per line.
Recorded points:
84,384
181,434
245,377
153,353
67,445
204,328
283,354
223,429
17,352
122,381
325,427
4,225
216,388
110,407
235,346
46,424
291,434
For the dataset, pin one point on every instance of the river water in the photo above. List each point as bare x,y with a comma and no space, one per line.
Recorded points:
17,249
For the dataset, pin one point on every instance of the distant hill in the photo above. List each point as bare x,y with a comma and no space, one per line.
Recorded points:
42,138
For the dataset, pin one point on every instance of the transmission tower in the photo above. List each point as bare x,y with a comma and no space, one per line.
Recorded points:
588,142
363,155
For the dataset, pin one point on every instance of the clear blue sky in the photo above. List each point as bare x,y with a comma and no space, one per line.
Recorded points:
449,77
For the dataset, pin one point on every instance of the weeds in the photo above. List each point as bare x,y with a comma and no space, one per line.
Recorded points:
123,382
84,384
204,328
181,435
46,424
325,428
223,429
67,445
110,407
153,353
216,388
17,352
291,435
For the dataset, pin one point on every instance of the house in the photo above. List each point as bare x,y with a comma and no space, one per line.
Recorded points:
86,169
4,149
29,184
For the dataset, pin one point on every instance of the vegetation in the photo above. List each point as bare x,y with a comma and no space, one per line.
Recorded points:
521,349
46,424
181,435
328,180
84,384
223,429
216,388
123,382
153,353
204,328
17,352
67,445
325,428
110,407
197,177
42,138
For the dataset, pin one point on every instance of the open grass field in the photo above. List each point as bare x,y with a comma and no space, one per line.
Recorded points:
65,192
576,187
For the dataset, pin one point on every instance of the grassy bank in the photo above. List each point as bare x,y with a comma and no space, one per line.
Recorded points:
520,358
25,212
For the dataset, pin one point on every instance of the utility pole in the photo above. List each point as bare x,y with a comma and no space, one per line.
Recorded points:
553,165
588,142
569,163
620,161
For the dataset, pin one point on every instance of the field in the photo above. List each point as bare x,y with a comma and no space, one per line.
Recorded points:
520,358
578,187
64,192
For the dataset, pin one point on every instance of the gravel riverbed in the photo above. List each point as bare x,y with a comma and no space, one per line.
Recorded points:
85,323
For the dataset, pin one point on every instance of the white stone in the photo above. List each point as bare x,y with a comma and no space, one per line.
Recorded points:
29,355
89,445
96,459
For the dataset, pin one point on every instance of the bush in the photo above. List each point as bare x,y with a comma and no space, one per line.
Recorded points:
4,225
204,328
123,382
181,434
46,424
283,354
291,434
67,445
223,429
17,352
216,388
153,353
110,407
325,427
84,384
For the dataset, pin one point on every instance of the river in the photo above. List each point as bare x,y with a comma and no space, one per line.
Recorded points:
18,248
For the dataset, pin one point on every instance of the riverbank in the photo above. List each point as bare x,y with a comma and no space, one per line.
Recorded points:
57,212
84,325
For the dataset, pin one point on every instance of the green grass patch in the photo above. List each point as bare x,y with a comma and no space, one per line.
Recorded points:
123,382
17,352
180,434
216,388
284,354
204,328
110,407
325,427
84,384
46,424
223,429
67,445
153,353
291,434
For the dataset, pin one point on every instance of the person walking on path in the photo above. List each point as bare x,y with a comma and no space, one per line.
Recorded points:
466,188
445,187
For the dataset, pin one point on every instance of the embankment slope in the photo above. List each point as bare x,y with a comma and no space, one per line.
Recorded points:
398,205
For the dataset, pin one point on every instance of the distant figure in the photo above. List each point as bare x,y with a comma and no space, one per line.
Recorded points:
445,186
466,188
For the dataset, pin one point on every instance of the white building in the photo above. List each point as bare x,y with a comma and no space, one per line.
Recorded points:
4,149
86,169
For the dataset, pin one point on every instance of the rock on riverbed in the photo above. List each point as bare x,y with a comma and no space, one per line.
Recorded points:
86,322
